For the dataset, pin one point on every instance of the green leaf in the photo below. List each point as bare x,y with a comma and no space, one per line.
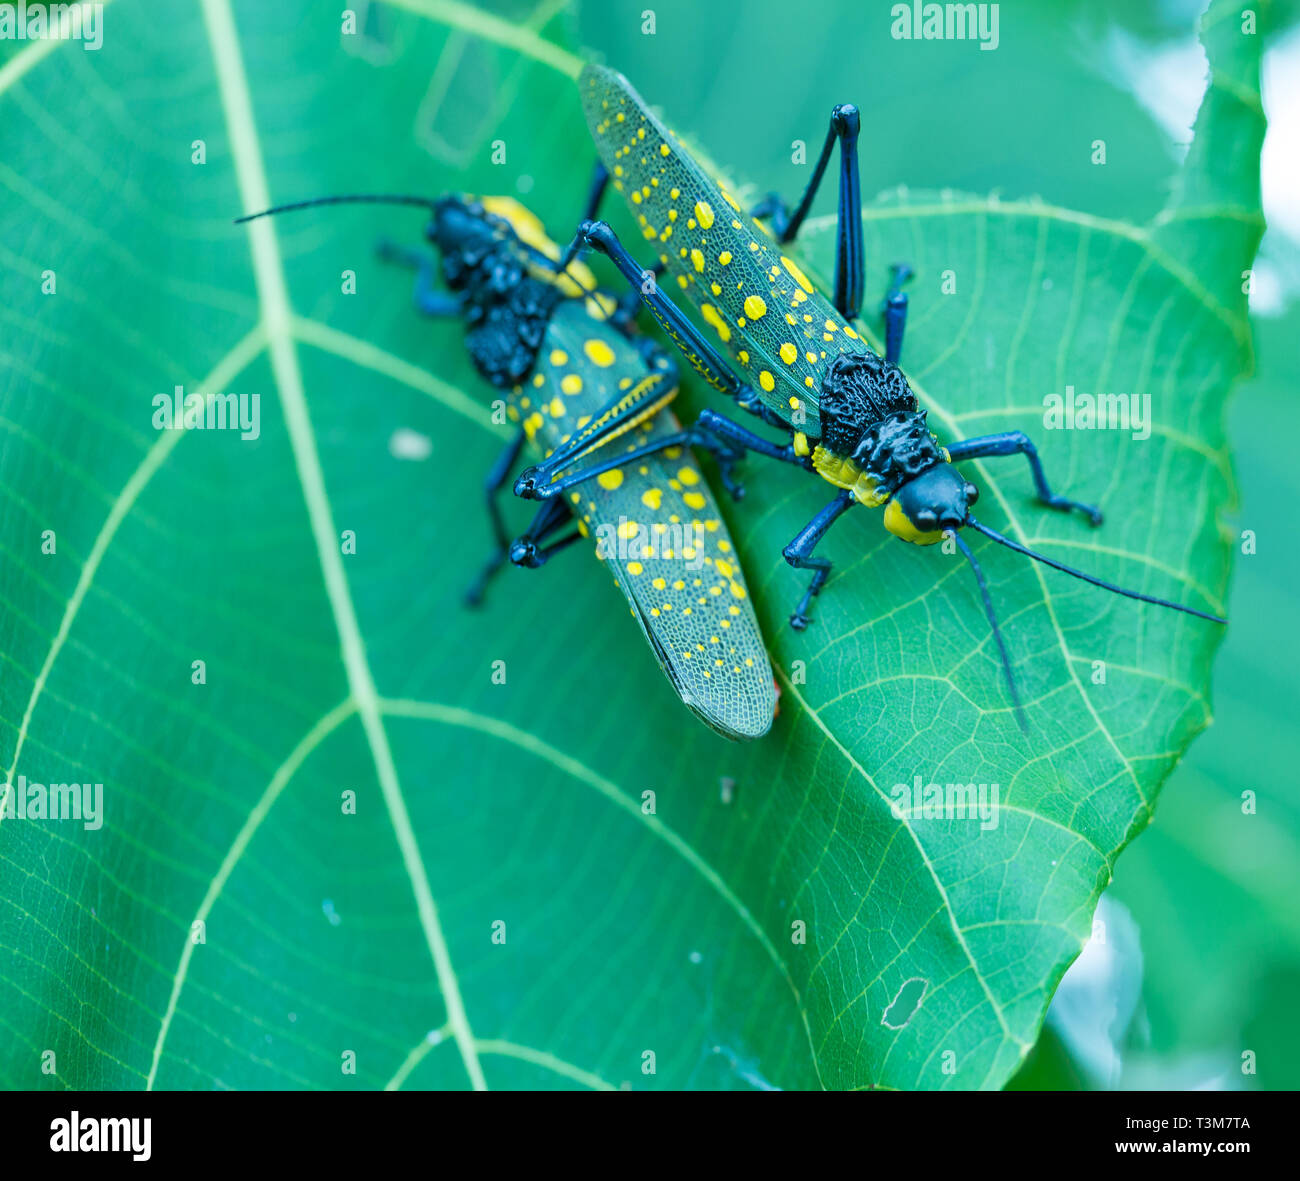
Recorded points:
323,934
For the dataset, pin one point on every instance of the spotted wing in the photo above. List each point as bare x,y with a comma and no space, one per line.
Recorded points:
777,327
656,526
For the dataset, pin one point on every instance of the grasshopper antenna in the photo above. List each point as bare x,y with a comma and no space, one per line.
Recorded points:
1110,586
350,199
993,623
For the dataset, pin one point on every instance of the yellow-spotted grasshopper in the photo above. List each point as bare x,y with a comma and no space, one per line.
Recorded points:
848,414
579,380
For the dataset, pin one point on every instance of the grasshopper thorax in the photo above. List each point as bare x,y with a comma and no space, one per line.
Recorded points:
506,310
871,422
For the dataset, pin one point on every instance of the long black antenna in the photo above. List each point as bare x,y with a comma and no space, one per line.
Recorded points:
1110,586
350,199
997,632
424,202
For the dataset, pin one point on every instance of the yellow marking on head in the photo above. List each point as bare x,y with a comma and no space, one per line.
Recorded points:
789,354
611,479
599,353
755,307
897,523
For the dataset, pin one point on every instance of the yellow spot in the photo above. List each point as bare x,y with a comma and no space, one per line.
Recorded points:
766,380
715,321
636,197
723,568
693,500
672,216
849,332
796,274
559,357
755,308
674,193
688,476
652,498
556,408
599,353
627,530
812,357
697,257
611,479
789,353
744,357
737,590
539,380
715,289
724,257
704,214
664,150
659,584
634,567
571,383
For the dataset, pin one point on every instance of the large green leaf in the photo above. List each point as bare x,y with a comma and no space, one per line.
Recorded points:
327,672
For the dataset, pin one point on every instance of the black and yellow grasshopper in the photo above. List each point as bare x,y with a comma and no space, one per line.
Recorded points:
579,379
796,361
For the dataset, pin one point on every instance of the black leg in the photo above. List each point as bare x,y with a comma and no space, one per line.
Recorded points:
599,183
799,553
629,304
850,261
527,551
427,299
894,309
596,235
725,439
1018,443
492,485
